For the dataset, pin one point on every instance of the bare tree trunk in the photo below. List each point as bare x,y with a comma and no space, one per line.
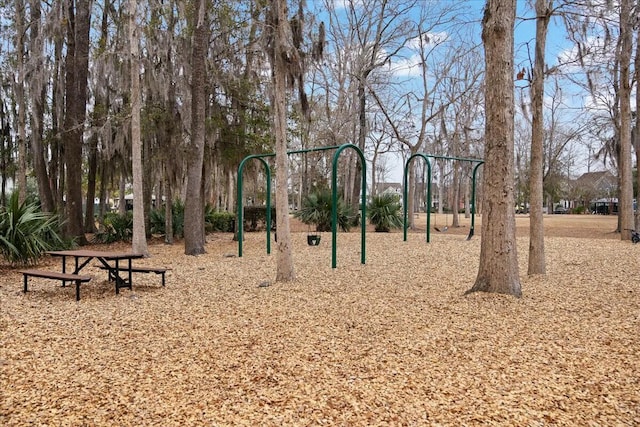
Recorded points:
104,196
76,68
467,198
139,240
21,100
168,214
231,201
636,134
625,206
498,268
56,170
282,39
455,221
37,97
362,134
122,202
98,120
194,237
537,263
92,163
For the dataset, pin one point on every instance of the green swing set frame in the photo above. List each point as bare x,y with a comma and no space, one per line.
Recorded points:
426,157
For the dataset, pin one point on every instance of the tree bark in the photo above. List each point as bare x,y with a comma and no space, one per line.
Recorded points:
168,214
194,205
537,263
76,69
636,133
38,96
498,269
281,49
625,207
139,239
56,166
21,100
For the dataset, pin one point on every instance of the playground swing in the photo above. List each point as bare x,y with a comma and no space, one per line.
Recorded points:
446,219
426,157
313,239
446,226
334,197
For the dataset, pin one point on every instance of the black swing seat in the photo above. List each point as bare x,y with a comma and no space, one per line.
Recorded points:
313,239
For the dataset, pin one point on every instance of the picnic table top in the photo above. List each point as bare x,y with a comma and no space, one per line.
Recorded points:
86,253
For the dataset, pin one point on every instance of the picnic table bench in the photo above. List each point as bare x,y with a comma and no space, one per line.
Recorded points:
54,275
140,269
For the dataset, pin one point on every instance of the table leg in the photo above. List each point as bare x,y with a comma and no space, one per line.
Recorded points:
130,276
64,268
117,277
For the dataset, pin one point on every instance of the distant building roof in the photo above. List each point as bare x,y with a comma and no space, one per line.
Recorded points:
388,187
596,184
596,178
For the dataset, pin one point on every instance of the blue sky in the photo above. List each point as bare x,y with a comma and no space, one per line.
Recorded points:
557,42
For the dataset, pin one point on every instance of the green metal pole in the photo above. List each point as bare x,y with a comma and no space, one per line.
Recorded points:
405,191
268,169
429,204
239,207
473,199
334,204
464,159
406,196
473,192
339,148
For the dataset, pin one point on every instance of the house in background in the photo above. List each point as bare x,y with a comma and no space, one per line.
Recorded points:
420,196
389,187
596,192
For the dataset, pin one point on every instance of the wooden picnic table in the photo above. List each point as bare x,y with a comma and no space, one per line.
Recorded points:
83,256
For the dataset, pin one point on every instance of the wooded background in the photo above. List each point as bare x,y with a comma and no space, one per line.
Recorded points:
400,76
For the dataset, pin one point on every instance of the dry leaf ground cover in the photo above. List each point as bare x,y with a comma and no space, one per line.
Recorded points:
392,342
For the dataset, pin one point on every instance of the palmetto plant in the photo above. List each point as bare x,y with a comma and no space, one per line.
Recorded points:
115,228
385,212
26,232
316,210
157,219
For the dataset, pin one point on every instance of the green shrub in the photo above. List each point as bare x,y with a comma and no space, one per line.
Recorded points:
157,219
115,228
316,210
26,232
218,221
213,221
255,218
385,212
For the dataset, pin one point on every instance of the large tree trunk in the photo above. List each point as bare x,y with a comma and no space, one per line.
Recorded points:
625,207
139,239
168,214
498,269
537,263
194,237
38,95
282,39
56,166
92,172
76,69
636,133
21,100
98,120
354,198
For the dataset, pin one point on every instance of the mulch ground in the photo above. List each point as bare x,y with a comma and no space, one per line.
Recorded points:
391,342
